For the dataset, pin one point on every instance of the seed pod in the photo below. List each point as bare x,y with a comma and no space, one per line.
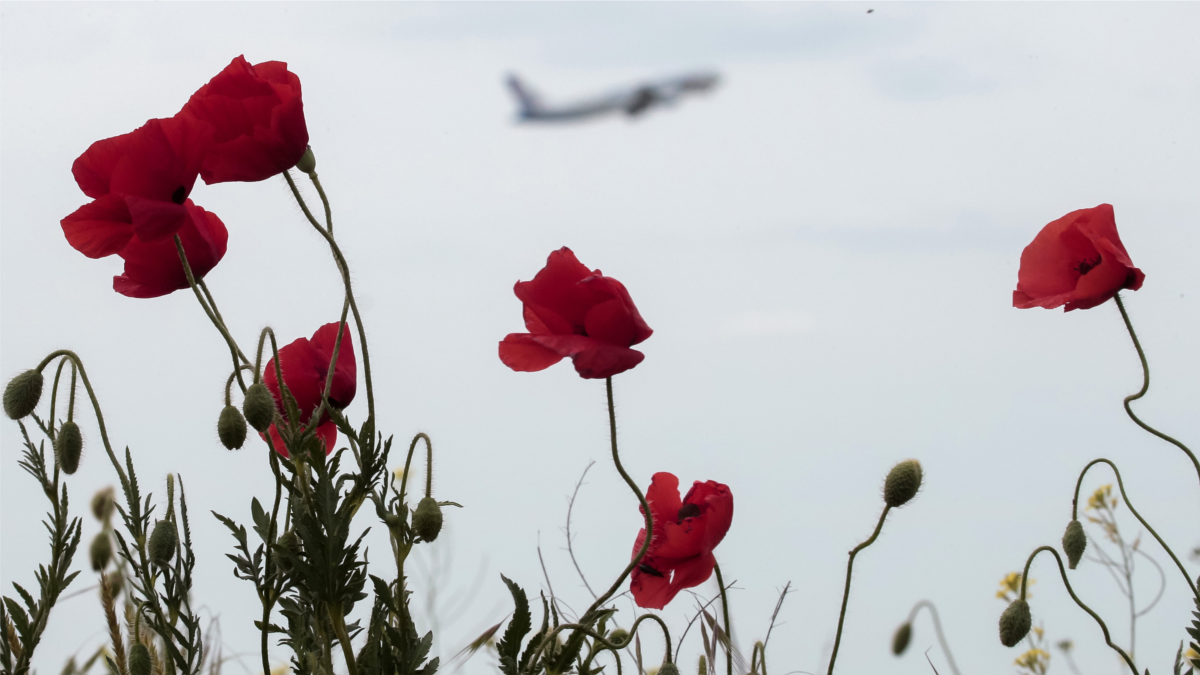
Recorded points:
308,161
231,428
100,551
259,407
668,668
102,504
1074,542
22,394
139,660
1015,623
901,639
902,483
619,636
702,668
162,543
427,519
68,447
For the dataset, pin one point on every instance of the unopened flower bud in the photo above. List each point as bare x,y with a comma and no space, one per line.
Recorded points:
1074,542
308,161
702,668
22,394
902,483
162,543
100,551
619,636
668,668
285,547
139,660
901,639
1015,623
68,447
102,504
231,428
427,519
259,407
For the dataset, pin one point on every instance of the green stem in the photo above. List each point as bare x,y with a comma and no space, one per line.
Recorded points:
233,348
837,641
728,627
339,627
324,200
937,627
54,396
1145,386
1063,572
212,302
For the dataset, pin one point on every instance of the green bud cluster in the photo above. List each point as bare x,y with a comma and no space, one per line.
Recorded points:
231,428
1074,542
22,394
68,447
902,484
162,543
259,407
139,660
1015,623
901,639
427,519
619,636
100,552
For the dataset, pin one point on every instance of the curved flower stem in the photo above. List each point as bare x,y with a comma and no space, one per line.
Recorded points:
587,630
1063,572
229,384
324,200
234,352
1121,485
340,260
1145,386
54,395
728,627
937,626
212,302
837,641
408,463
77,363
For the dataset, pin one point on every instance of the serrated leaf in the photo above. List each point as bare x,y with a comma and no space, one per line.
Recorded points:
510,644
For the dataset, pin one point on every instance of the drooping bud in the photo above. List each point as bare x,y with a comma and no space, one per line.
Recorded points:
68,447
619,636
668,668
1074,542
22,394
231,428
702,668
1015,623
100,552
259,407
901,639
902,483
139,660
427,519
162,543
102,504
308,161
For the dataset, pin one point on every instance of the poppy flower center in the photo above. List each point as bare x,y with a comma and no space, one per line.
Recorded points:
1087,265
688,511
179,195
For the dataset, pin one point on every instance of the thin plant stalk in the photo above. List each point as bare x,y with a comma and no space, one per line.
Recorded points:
837,641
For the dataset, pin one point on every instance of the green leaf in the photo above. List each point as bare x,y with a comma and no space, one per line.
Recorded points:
510,644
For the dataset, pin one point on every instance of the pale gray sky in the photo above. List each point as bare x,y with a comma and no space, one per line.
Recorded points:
826,248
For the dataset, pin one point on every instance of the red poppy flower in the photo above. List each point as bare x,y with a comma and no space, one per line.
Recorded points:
305,363
685,534
576,312
259,121
139,181
1077,260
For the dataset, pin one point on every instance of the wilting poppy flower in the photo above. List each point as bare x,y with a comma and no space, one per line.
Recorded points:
259,120
685,534
1077,261
305,364
576,312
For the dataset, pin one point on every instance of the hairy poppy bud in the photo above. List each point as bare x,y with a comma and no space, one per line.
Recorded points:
901,639
102,504
308,161
139,660
259,407
619,636
285,547
68,447
1015,623
668,668
22,394
902,483
1074,542
231,428
702,668
162,543
427,519
100,551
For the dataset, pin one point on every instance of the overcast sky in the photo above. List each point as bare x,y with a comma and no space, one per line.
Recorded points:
825,246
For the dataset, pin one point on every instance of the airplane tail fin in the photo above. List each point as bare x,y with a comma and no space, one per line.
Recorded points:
529,102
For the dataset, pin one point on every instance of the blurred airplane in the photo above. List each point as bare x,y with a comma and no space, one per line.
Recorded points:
632,101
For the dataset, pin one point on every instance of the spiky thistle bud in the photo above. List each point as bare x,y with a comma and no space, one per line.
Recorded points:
231,428
1015,623
901,639
139,660
902,483
68,447
162,543
102,504
427,519
22,394
308,161
100,552
668,668
1074,542
259,407
702,667
619,636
